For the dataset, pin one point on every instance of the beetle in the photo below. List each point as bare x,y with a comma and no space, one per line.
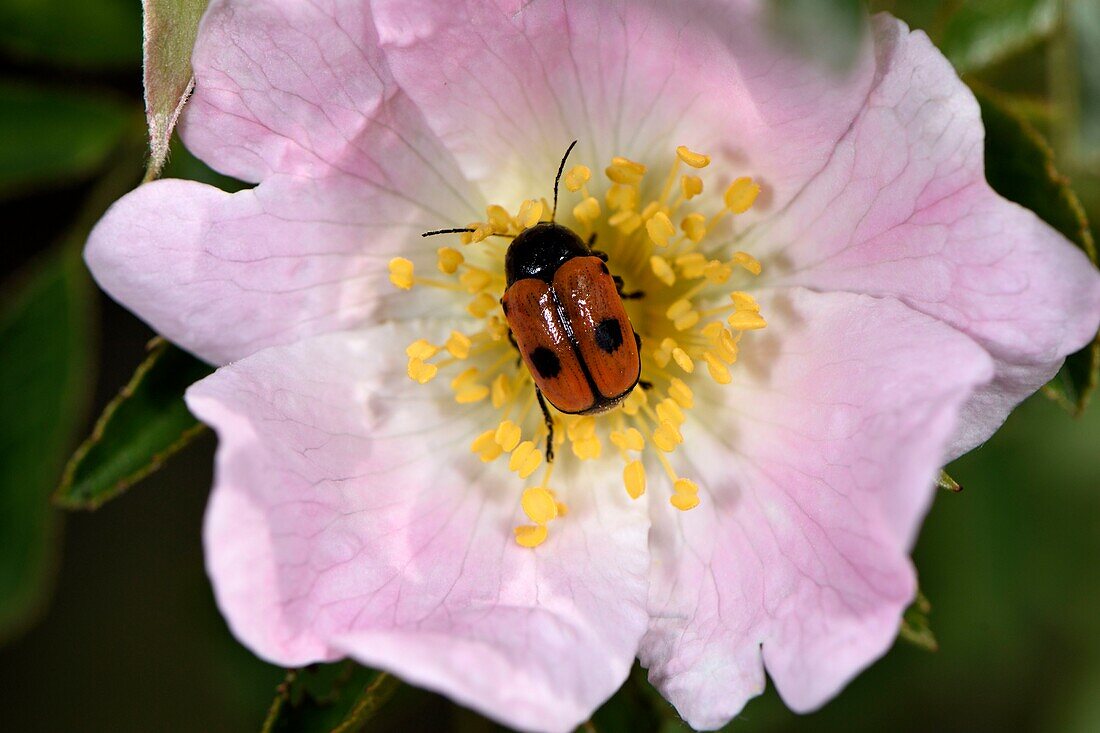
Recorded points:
567,320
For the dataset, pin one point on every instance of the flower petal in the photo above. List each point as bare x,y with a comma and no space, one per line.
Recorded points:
300,97
224,275
815,472
903,209
508,84
349,517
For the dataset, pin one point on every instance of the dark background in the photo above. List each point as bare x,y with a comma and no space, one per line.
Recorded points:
131,640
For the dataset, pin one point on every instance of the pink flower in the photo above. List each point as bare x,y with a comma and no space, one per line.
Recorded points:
757,513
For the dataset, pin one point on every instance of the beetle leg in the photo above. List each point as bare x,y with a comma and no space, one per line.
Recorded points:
512,340
549,426
626,296
644,384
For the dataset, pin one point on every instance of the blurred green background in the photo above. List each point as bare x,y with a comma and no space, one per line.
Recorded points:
107,622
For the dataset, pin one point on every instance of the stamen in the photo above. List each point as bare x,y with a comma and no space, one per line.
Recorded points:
683,320
401,273
695,160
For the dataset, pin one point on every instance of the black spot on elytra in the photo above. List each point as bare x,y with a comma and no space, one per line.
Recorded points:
546,362
609,335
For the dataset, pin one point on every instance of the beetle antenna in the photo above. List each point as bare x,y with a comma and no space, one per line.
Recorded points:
463,229
557,179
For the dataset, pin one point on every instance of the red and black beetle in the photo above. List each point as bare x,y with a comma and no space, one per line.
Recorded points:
567,320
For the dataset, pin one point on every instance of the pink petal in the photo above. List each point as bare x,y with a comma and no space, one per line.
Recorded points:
903,209
507,85
305,252
350,518
815,473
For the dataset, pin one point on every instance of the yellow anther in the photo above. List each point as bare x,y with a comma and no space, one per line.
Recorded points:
622,198
662,270
539,505
499,218
475,280
563,509
686,321
581,428
662,356
401,273
464,378
725,347
651,209
420,371
587,448
695,160
500,391
667,436
449,260
576,177
678,308
625,171
625,221
481,230
685,486
684,502
667,409
458,345
525,459
691,264
744,301
718,371
497,328
634,479
750,263
587,211
660,228
635,401
683,360
629,439
485,446
713,331
421,349
717,272
480,306
530,535
530,211
741,195
472,393
679,391
691,186
508,435
746,321
694,226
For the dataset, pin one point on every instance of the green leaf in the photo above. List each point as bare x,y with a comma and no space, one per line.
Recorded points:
53,135
87,34
947,483
1020,166
45,376
170,29
982,32
915,626
830,30
1084,30
138,431
340,698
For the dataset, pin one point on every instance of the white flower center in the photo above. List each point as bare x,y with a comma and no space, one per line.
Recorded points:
689,312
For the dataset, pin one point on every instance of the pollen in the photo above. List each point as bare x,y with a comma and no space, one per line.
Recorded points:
695,160
670,238
401,273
